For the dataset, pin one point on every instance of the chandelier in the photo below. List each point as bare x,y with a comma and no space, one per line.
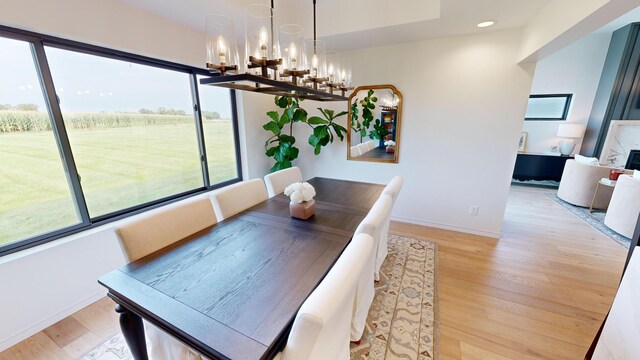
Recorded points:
277,60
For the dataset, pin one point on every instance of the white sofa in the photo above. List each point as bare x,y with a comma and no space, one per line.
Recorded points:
578,184
623,211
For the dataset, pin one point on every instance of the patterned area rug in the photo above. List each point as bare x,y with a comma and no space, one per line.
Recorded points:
402,322
113,349
595,219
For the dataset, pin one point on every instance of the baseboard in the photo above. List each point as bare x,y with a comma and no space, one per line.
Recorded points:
490,234
41,325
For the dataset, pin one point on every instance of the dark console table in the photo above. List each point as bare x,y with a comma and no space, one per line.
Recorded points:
539,167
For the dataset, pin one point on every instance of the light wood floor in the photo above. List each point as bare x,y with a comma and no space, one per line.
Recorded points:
540,292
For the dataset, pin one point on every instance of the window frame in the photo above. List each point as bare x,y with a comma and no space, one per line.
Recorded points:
38,42
565,111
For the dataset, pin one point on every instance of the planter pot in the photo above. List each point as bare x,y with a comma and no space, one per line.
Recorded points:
304,210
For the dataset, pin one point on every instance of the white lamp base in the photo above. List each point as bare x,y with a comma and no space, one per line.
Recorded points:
567,146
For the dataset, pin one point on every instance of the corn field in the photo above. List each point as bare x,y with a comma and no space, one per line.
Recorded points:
18,121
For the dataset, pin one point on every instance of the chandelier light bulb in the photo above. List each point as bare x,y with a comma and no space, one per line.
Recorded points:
264,36
314,65
293,53
222,50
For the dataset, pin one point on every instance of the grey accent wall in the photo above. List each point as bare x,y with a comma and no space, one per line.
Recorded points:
617,88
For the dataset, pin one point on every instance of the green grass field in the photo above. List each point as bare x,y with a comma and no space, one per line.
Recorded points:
119,167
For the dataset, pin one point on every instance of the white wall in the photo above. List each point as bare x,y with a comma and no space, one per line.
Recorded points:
464,104
575,70
556,19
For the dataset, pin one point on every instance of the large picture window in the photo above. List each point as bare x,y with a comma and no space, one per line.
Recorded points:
35,197
89,135
131,128
219,136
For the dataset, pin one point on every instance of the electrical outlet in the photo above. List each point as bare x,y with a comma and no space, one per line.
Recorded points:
473,210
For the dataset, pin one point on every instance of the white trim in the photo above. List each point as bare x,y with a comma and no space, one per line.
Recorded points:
491,234
41,325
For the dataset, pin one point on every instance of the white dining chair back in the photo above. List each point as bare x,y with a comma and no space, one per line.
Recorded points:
162,227
363,148
392,189
321,328
354,151
372,225
371,144
276,182
153,231
238,197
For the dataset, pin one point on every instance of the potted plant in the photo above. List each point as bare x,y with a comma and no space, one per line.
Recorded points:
302,205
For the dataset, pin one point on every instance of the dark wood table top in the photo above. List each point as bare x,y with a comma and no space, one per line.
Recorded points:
233,290
378,153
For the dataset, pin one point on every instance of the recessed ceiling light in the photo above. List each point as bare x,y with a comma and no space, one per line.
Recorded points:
485,24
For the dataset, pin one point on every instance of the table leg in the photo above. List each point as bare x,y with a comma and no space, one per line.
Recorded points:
593,200
133,331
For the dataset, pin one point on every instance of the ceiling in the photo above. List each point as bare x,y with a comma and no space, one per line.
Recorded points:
626,19
377,22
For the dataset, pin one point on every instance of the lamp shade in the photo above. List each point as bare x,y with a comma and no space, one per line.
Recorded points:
571,130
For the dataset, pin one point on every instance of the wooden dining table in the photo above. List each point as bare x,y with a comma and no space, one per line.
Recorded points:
232,291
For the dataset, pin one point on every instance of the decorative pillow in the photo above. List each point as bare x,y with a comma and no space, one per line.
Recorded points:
636,174
586,160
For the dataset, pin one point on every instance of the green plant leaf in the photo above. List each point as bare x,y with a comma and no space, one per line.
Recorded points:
272,126
284,119
300,115
284,138
363,132
316,120
317,149
339,130
272,151
273,115
313,140
281,165
374,99
293,153
342,113
282,101
321,131
370,92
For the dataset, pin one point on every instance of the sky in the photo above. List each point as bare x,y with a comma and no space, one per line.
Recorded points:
88,83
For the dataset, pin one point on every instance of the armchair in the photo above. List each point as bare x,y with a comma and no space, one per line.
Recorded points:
578,184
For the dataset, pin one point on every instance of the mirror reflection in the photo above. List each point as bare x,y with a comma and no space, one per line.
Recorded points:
374,123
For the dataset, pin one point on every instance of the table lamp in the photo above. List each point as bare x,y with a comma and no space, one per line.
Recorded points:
569,132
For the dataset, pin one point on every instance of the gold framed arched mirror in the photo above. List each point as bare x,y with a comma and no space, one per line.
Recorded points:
373,124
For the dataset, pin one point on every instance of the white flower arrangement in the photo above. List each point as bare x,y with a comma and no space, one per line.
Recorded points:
389,143
300,191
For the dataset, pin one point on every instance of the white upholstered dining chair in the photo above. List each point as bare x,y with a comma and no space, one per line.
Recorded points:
392,189
622,214
238,197
354,151
363,148
372,225
153,231
162,227
321,328
276,182
371,144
